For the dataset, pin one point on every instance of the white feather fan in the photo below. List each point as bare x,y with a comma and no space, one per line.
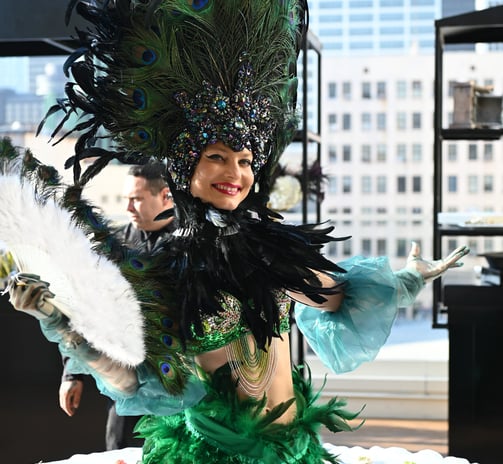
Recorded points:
89,288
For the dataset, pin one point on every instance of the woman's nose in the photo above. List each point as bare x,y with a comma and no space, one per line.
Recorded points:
232,170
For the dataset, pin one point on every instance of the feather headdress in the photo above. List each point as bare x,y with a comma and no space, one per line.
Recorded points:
165,78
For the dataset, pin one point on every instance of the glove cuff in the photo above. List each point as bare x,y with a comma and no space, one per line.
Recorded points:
409,283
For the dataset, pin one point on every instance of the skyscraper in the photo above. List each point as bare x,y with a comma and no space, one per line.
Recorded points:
375,27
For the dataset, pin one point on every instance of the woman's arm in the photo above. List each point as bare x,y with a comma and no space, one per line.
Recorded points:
410,279
29,294
373,292
331,303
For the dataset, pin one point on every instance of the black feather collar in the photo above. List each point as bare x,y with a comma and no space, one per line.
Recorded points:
248,253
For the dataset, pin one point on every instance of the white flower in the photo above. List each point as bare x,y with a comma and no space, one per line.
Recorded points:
285,194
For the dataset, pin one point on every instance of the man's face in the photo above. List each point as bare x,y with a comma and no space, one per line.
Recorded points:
143,206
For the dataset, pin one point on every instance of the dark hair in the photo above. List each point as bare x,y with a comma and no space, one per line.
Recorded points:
153,173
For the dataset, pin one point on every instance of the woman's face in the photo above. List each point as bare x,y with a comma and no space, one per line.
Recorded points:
222,177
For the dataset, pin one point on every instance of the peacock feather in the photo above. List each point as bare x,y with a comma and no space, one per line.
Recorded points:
145,274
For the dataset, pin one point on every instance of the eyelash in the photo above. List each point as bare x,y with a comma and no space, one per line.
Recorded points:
244,161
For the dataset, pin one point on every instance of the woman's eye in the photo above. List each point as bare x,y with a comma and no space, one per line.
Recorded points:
246,162
215,156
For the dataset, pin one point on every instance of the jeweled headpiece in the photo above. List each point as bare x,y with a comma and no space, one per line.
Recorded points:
164,78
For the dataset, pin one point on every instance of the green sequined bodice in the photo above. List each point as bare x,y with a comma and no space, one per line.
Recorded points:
228,325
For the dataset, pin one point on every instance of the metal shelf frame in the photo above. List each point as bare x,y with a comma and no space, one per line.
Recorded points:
474,27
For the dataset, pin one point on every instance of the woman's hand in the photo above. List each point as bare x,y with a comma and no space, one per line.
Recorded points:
430,270
28,294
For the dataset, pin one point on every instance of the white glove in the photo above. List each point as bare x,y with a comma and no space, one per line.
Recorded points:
29,294
430,270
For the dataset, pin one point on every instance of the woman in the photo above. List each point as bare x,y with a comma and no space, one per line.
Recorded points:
217,384
237,405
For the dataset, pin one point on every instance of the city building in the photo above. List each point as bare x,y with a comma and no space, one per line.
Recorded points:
377,126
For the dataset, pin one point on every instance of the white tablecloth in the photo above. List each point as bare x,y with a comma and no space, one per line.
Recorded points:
354,455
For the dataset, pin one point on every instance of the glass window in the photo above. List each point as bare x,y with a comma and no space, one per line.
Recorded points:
346,153
381,90
402,247
416,120
401,120
488,151
346,248
366,93
417,152
488,183
401,90
332,153
452,244
473,245
416,184
381,121
472,184
366,247
366,153
391,3
452,184
360,4
346,184
472,151
401,184
366,122
332,248
381,247
346,90
488,244
381,184
382,152
366,184
401,153
452,152
332,122
346,122
332,90
417,89
332,185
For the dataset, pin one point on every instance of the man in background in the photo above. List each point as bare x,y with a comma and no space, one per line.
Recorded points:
147,195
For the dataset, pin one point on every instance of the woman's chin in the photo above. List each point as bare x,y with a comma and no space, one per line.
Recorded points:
226,204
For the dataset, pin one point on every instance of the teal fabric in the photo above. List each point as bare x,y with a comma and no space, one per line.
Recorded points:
150,398
345,339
